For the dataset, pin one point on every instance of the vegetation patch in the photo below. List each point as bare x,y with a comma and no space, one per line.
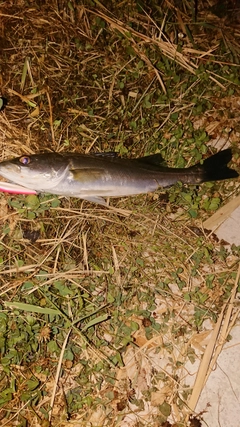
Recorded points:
105,313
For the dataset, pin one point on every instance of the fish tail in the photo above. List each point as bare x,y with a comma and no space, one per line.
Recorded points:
215,168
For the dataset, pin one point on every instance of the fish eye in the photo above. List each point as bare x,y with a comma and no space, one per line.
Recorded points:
25,160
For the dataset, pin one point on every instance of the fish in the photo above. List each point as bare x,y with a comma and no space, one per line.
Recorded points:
97,176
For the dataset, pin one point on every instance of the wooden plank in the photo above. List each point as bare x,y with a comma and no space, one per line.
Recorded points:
222,214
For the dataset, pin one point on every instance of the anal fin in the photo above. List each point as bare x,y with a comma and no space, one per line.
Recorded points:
95,199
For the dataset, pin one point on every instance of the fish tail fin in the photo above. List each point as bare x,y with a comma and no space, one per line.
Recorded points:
215,168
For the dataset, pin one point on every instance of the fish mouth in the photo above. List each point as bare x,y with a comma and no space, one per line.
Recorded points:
12,173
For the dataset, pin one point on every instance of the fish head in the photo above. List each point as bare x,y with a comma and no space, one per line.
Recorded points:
40,172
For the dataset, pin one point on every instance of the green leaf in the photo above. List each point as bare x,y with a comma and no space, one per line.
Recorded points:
110,298
27,285
31,308
57,123
62,288
165,408
6,396
95,321
31,215
193,213
32,384
52,346
55,203
214,204
32,201
68,354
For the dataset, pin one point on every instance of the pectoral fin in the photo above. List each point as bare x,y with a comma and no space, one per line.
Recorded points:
86,175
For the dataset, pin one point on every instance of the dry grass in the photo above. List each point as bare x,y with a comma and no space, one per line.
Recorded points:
120,303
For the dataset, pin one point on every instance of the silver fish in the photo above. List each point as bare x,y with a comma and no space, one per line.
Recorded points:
94,177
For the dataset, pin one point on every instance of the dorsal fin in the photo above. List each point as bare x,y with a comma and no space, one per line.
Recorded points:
111,154
152,160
